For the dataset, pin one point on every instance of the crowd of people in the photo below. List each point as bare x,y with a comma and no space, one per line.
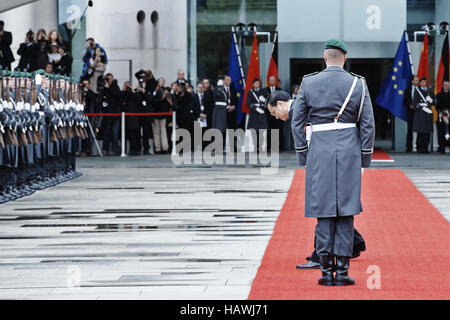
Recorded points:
206,105
418,101
39,51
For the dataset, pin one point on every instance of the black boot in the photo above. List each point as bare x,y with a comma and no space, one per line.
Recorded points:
327,267
342,278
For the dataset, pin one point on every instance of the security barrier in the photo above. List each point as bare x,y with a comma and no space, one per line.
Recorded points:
123,115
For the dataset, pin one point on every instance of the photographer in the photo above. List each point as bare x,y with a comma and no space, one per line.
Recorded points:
111,103
97,67
146,76
257,119
43,47
90,53
160,104
443,107
145,122
130,104
28,52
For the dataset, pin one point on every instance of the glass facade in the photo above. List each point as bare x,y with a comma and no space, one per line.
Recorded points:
210,23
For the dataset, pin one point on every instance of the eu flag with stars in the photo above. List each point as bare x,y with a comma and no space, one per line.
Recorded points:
234,71
393,90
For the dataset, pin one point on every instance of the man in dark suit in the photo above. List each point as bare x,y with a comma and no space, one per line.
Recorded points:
274,123
408,103
6,55
208,101
443,108
234,102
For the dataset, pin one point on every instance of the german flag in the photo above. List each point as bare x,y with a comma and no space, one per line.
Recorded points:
273,68
443,72
423,71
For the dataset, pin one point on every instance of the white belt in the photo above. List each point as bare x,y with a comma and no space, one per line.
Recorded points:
224,104
332,126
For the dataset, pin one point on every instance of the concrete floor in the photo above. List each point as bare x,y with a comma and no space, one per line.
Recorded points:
143,228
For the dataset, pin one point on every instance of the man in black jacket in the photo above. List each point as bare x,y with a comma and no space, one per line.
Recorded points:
145,122
111,103
6,55
408,103
274,124
130,104
28,52
208,101
443,108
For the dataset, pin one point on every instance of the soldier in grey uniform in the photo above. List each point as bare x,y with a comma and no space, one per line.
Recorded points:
258,118
336,103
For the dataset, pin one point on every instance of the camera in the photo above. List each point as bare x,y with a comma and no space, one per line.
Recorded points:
141,75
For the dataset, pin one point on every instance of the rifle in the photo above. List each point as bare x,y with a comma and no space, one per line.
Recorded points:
33,101
53,130
23,140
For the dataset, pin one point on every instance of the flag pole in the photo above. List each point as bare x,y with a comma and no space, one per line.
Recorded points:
409,52
240,68
238,53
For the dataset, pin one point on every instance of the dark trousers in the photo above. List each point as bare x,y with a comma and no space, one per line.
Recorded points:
359,244
442,129
335,236
423,142
111,128
409,135
133,136
146,124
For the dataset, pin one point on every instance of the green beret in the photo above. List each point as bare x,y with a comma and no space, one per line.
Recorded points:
29,75
40,72
336,44
5,73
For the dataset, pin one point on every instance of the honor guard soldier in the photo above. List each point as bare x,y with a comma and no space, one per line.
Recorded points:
41,122
257,118
337,103
423,115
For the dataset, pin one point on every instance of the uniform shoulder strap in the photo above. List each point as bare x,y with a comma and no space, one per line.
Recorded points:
355,80
362,98
311,74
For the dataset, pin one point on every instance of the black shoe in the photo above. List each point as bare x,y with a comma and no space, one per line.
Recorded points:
309,265
327,267
342,278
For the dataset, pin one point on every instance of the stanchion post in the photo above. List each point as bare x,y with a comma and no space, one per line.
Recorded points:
174,134
123,140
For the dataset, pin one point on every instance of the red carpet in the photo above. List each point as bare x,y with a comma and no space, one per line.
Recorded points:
380,155
405,236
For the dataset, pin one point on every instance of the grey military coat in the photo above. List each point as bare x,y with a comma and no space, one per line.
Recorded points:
334,158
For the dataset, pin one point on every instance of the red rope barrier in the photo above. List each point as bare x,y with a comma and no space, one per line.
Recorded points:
128,114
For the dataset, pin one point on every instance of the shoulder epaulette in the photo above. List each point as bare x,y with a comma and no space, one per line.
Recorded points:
357,75
311,74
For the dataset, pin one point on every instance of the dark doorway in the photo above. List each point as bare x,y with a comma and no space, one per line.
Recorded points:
375,71
302,67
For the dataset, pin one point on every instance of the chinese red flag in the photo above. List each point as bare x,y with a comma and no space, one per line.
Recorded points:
273,68
423,65
443,72
253,72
